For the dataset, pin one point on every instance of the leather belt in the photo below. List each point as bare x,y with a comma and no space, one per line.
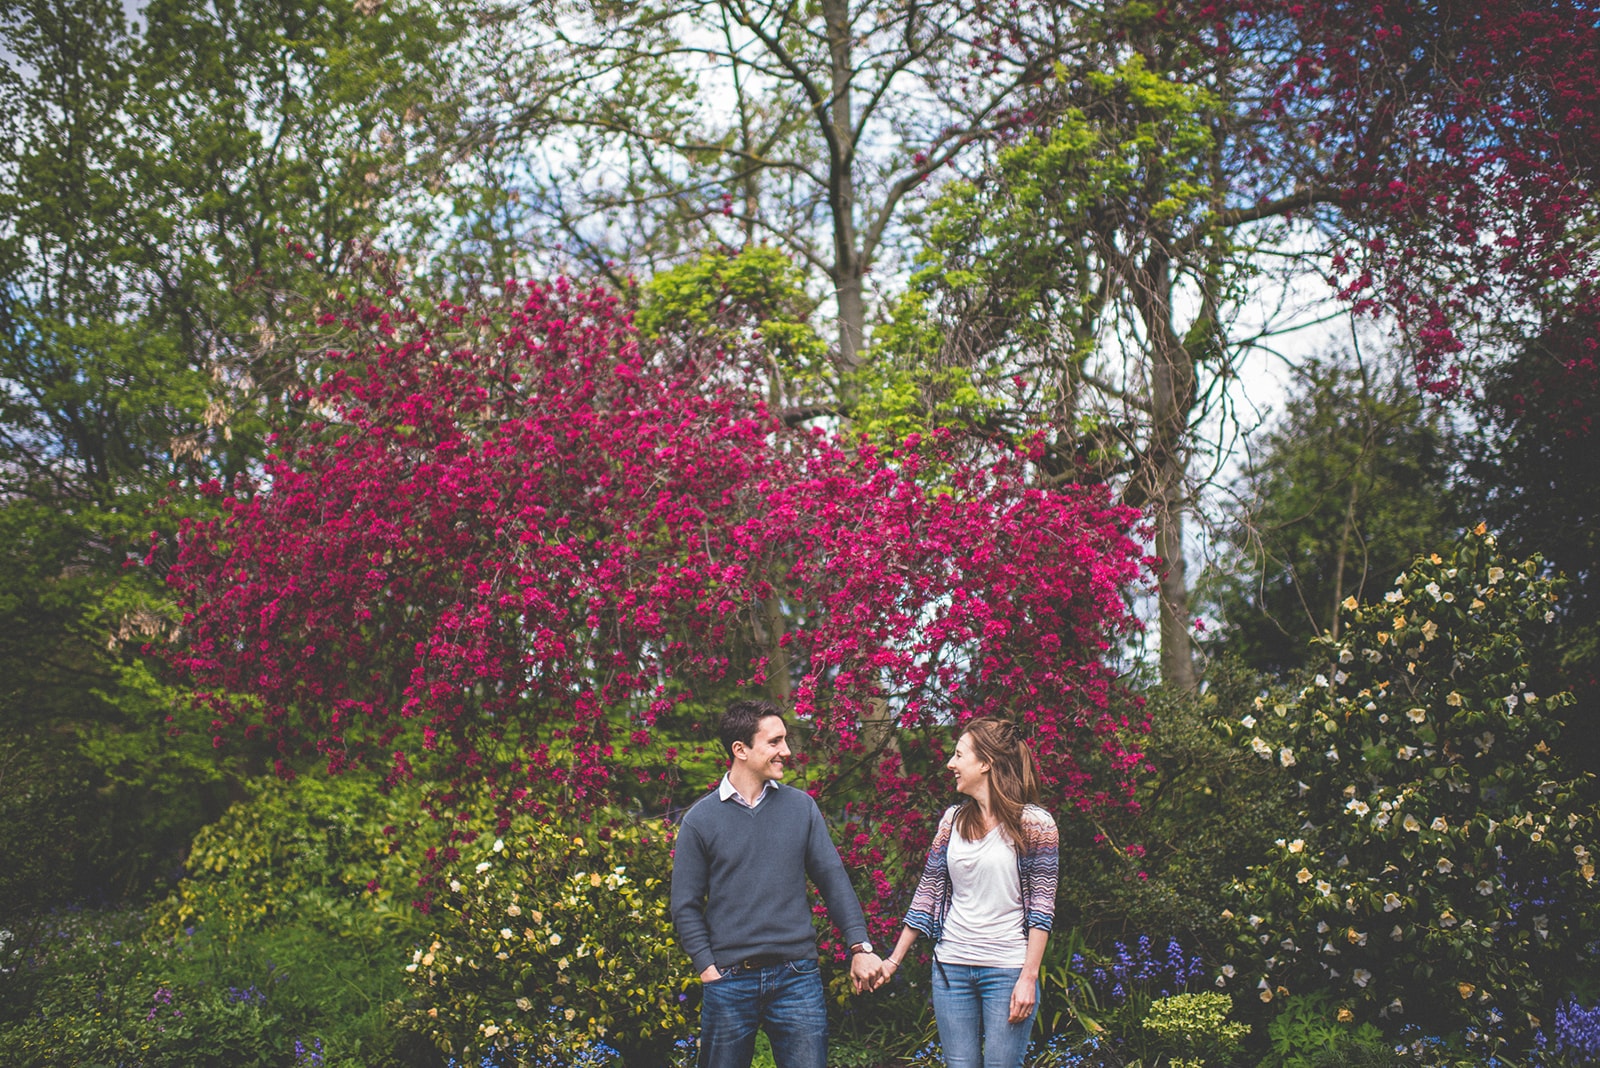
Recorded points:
760,960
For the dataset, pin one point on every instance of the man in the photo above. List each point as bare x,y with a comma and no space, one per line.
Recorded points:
739,904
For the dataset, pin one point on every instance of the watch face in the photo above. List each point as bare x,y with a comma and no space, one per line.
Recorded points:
864,947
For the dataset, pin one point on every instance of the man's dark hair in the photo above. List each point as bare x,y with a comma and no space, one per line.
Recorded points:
740,720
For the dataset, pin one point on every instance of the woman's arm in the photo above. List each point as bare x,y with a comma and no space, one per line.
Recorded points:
893,959
1025,995
897,956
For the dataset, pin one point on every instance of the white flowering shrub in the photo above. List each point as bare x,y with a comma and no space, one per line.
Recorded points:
1442,866
551,938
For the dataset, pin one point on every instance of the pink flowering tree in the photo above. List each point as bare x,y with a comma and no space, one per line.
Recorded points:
1458,142
516,546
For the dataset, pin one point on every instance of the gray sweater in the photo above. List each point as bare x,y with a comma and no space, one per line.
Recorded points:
739,879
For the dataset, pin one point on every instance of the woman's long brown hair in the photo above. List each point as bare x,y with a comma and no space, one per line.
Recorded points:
1013,778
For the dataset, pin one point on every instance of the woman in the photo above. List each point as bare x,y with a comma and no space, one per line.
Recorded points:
986,898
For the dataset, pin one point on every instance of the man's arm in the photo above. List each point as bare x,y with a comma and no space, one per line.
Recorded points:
690,885
844,908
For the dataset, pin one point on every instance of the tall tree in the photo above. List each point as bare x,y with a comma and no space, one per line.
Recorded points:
1176,153
147,177
1532,467
1349,487
652,130
1095,279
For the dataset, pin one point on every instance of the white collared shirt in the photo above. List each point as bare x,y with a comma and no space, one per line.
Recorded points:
726,789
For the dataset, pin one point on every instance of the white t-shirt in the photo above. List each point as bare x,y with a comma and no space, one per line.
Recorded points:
984,925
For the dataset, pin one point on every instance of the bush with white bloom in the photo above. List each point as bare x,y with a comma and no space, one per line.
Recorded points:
1449,824
555,935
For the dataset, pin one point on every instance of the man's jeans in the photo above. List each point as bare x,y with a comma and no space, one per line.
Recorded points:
971,1004
785,1000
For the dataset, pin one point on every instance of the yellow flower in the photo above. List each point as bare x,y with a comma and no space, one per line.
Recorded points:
1350,603
1302,876
1430,630
1297,845
1416,715
1465,990
1481,529
1346,1016
1411,824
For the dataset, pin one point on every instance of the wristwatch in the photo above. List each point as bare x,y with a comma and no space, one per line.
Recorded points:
861,947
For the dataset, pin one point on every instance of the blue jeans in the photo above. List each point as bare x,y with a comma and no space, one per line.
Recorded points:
785,1000
971,1004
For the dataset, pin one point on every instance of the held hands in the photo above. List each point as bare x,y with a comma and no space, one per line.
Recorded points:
881,972
865,972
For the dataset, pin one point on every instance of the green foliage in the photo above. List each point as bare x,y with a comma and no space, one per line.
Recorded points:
1530,463
1440,861
902,389
1205,810
1311,1030
289,925
755,297
312,850
147,179
1195,1028
52,829
1348,488
1006,311
552,935
98,988
1134,150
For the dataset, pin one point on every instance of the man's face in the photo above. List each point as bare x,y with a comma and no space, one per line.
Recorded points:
768,749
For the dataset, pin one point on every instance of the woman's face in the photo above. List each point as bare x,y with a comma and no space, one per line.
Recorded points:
971,774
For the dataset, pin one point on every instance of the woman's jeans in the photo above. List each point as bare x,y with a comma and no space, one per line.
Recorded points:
785,1000
970,1004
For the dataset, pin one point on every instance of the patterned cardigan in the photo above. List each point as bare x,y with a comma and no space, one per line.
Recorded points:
1037,863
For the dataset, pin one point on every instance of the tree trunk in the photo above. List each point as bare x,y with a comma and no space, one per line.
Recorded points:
848,262
1172,397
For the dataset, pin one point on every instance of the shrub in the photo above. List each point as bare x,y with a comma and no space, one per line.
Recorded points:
282,936
1195,1028
1312,1030
1441,860
314,848
554,935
